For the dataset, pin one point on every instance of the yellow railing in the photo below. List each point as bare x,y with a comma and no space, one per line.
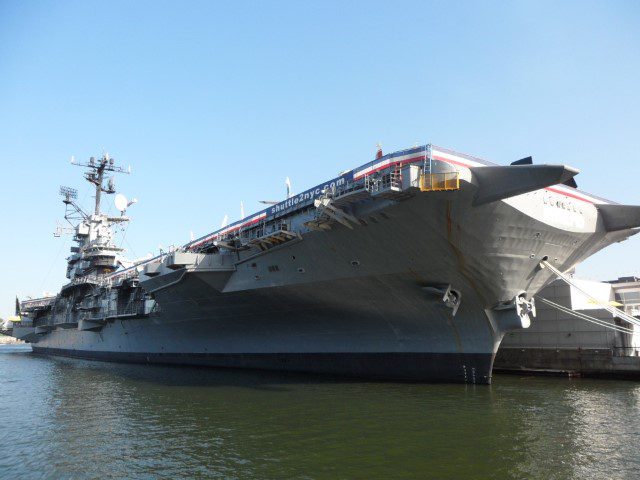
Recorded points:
437,182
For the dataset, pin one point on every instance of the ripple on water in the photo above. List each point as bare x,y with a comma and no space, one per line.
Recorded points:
76,419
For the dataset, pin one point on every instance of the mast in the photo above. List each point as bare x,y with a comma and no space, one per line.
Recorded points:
98,183
95,175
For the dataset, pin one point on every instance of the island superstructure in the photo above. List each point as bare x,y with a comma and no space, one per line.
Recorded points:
410,267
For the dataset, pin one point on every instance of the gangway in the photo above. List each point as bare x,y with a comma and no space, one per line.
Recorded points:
616,312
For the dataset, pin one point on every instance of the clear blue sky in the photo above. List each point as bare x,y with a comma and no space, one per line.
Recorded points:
217,102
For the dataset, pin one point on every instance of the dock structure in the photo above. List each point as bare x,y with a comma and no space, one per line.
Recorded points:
563,343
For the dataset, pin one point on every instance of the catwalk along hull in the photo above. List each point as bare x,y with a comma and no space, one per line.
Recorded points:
364,301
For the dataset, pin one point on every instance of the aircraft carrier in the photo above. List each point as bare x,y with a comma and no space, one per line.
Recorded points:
410,267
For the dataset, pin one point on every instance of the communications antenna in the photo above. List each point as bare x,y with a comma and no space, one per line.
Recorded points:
95,175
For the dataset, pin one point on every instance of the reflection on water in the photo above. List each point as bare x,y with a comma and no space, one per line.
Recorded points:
64,418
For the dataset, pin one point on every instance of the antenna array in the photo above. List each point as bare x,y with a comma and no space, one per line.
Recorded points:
68,193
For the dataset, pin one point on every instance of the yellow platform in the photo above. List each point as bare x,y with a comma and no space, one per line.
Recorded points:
436,182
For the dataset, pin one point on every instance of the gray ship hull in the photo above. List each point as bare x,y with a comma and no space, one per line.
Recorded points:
288,329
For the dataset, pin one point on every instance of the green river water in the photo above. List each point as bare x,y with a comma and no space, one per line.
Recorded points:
63,418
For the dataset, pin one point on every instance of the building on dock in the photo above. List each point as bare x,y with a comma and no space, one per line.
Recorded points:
559,341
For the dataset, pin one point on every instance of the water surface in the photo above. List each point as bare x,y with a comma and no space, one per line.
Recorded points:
66,418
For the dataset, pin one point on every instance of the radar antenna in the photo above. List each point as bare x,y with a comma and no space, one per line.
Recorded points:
72,212
95,175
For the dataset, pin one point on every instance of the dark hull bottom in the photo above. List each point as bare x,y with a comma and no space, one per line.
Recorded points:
412,367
